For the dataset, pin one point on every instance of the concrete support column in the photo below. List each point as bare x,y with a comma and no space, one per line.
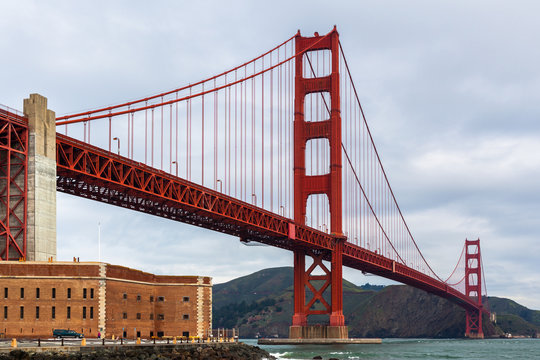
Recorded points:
102,296
200,307
41,228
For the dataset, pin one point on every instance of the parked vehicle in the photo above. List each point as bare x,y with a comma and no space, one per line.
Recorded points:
62,333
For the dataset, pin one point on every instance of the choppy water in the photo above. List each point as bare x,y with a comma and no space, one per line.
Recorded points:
394,349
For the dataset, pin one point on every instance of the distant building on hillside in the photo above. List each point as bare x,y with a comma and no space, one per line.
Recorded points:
92,297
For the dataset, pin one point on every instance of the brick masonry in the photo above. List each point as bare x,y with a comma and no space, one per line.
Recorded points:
97,297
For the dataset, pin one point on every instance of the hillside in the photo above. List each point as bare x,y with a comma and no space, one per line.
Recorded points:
510,307
262,304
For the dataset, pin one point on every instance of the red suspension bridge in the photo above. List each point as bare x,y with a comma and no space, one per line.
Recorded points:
276,150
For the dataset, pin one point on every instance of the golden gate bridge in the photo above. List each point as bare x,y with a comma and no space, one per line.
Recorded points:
276,151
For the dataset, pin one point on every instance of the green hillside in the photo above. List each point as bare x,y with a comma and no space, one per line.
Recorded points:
254,287
509,307
262,304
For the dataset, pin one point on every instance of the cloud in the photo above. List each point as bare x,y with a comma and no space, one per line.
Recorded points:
450,88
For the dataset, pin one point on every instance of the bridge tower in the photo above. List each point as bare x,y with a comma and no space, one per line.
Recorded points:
328,184
13,184
473,288
41,227
28,182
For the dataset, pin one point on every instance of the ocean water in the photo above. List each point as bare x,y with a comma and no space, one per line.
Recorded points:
394,349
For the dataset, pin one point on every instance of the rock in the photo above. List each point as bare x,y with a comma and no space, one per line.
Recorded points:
213,351
19,354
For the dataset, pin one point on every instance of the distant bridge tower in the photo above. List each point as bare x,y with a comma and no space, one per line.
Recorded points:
473,287
328,184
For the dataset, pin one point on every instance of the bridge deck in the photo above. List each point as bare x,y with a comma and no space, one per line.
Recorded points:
90,172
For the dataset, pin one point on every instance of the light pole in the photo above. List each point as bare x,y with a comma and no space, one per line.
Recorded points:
99,241
115,138
218,181
254,199
176,165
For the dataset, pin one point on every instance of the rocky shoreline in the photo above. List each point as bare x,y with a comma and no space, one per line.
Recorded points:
212,351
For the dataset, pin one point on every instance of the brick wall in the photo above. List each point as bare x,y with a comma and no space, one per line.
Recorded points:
37,318
134,303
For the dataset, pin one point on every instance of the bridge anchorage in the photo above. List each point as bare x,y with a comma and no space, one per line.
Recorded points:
276,150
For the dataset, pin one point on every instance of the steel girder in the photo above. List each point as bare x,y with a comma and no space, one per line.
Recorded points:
13,185
93,173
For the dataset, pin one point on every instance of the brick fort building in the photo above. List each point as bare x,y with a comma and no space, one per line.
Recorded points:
91,297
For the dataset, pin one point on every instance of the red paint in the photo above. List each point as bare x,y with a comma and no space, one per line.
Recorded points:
473,287
329,184
13,196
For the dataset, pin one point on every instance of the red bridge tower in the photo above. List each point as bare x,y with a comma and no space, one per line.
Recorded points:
306,185
473,287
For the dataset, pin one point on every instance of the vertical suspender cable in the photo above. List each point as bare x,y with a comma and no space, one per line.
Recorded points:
216,97
152,140
229,164
241,140
145,135
170,138
161,107
227,139
262,135
202,138
245,134
132,132
189,134
235,134
253,134
187,138
176,142
280,113
271,136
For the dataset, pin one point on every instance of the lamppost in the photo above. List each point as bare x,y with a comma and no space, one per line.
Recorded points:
254,199
176,165
115,138
218,181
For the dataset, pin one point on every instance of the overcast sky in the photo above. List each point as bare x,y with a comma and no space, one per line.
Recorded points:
451,90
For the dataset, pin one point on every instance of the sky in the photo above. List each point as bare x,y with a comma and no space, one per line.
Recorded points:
451,91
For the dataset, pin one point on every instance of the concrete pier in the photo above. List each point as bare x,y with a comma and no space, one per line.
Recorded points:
318,332
318,341
41,220
318,335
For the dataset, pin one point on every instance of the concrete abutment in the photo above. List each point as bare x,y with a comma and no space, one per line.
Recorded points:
318,332
41,213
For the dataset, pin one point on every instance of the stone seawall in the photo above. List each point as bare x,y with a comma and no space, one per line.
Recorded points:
209,351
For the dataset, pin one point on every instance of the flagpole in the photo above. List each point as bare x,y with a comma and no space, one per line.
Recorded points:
99,242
